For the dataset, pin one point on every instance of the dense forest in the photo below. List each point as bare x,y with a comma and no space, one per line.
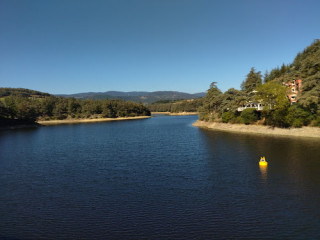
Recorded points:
144,97
272,92
27,106
175,106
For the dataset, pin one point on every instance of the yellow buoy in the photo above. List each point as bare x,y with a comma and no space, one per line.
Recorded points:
263,161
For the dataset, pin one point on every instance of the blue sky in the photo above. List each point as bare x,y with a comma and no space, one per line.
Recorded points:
71,46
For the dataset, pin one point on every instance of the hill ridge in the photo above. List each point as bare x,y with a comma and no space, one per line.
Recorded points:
136,96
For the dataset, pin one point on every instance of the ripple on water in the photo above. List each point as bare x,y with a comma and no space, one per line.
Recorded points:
158,178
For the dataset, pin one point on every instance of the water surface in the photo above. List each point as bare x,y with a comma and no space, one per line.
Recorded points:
158,178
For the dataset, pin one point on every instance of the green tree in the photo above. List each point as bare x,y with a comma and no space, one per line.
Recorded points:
27,110
60,110
47,106
227,117
74,106
310,98
108,111
211,103
249,115
297,116
231,100
3,110
266,76
272,95
276,104
252,81
11,106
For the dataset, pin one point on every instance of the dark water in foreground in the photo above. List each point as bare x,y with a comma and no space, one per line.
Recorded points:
157,178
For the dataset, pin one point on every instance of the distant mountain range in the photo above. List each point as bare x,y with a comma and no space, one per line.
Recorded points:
144,97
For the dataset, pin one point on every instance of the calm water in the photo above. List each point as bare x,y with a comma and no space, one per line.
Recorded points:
158,178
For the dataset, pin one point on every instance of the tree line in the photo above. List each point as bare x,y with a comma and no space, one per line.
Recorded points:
175,106
271,92
26,107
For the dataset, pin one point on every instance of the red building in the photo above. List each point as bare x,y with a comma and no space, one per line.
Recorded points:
294,90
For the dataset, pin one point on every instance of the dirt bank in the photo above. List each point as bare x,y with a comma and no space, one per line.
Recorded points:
176,114
70,121
258,129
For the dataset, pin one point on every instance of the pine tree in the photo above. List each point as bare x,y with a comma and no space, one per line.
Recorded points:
266,76
252,81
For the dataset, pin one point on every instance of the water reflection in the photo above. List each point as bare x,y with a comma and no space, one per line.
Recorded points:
264,172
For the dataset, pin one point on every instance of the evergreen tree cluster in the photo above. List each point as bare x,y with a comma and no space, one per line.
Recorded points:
277,72
175,106
17,105
306,66
277,111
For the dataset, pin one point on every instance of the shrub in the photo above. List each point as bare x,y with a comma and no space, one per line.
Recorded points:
249,115
297,123
297,116
204,116
277,118
236,120
316,122
227,117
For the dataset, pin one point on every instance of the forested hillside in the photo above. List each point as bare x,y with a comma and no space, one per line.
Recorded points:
271,91
28,106
144,97
190,105
21,92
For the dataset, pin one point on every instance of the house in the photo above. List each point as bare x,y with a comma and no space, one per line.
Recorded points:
257,105
294,90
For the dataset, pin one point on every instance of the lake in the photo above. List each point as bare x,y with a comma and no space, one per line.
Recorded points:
158,178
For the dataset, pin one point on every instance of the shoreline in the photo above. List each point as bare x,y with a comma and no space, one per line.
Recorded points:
19,126
310,132
89,120
176,114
